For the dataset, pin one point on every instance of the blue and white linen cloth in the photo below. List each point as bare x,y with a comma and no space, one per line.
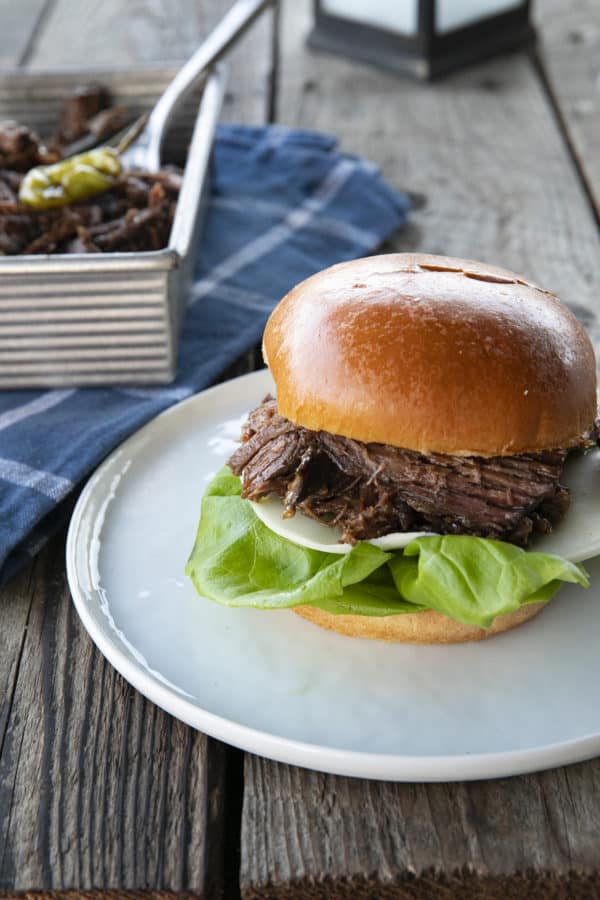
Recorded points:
284,205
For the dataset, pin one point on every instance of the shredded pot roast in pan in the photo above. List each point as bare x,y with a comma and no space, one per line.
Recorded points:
135,214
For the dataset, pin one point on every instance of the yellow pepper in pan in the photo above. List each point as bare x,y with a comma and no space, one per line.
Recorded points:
71,179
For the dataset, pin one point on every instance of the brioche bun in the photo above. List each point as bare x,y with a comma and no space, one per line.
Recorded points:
427,627
433,354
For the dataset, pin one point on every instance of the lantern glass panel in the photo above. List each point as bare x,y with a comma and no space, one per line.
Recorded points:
458,13
399,16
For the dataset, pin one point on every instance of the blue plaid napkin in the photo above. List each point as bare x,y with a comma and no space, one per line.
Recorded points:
284,205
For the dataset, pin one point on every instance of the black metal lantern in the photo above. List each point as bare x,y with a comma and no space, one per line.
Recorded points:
425,38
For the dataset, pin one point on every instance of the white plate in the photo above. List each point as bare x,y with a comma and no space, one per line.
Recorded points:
274,684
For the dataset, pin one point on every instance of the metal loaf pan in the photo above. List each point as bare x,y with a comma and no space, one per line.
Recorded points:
110,318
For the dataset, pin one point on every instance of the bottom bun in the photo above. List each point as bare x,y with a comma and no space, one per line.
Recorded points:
428,627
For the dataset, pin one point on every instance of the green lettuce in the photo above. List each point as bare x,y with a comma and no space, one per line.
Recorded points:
238,561
474,579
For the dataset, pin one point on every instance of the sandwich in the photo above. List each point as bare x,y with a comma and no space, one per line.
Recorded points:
424,410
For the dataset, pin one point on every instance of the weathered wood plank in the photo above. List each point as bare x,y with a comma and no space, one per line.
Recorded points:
307,834
569,52
493,180
100,894
15,604
18,22
117,33
98,786
145,33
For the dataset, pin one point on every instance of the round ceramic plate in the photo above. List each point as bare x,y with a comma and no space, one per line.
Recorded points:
274,684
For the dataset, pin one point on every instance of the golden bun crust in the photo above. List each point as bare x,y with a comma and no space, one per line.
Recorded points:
427,627
434,354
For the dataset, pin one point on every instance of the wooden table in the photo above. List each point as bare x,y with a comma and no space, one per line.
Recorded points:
101,790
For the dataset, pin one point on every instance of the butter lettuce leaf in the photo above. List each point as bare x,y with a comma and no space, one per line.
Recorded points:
377,595
475,579
238,561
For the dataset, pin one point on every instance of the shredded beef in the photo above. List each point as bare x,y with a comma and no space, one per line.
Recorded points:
21,149
370,489
135,214
86,102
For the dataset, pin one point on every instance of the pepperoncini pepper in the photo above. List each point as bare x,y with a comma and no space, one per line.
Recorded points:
71,179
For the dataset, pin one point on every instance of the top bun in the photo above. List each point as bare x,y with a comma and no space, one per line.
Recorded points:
433,354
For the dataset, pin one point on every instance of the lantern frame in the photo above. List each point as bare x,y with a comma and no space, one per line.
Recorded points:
427,54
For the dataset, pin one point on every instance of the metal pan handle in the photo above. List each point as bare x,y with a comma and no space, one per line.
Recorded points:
234,23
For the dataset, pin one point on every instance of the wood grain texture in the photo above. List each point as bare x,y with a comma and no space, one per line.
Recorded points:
99,895
119,34
569,52
15,603
307,834
492,179
98,786
481,151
